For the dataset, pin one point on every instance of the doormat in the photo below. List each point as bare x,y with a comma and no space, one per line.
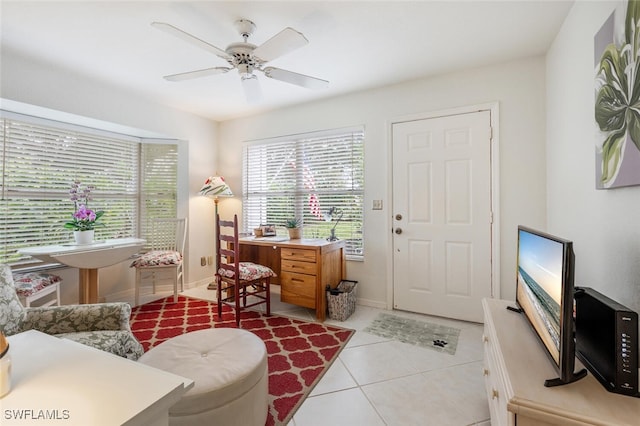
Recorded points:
299,353
420,333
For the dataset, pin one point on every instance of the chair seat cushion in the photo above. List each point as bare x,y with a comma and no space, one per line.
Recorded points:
29,283
249,272
157,258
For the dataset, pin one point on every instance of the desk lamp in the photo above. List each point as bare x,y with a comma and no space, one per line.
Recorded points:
328,217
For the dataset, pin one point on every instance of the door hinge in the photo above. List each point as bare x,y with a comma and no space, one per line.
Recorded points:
491,217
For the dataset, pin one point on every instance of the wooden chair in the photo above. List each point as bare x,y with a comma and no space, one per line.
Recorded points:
240,285
168,238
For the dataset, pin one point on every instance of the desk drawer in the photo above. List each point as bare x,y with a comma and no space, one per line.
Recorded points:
298,266
304,255
298,289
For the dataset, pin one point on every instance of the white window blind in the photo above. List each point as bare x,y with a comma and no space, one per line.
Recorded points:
304,176
158,185
40,160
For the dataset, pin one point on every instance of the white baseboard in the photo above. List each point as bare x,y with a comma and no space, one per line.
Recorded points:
371,303
199,283
129,294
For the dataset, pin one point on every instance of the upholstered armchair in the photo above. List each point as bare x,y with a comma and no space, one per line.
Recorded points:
103,326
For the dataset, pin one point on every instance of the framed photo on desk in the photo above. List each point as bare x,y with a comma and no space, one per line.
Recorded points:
268,230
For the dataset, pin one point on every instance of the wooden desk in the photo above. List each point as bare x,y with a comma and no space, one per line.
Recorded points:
88,259
304,267
75,384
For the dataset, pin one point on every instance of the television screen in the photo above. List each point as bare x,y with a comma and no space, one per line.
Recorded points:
544,293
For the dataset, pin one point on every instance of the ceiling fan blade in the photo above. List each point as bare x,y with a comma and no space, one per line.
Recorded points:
177,32
280,44
196,74
251,88
295,78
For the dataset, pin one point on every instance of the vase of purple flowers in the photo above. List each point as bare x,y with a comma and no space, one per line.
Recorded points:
84,220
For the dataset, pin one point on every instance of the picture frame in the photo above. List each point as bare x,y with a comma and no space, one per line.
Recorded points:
268,230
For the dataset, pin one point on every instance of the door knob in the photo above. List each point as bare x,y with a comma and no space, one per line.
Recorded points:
398,231
398,216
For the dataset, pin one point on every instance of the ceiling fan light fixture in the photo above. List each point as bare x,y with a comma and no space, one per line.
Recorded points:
251,88
245,71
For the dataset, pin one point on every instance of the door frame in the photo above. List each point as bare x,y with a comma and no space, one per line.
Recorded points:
493,108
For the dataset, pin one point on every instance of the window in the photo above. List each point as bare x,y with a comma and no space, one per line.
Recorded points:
39,159
306,177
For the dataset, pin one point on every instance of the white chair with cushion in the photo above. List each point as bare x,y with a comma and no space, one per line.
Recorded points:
168,238
32,286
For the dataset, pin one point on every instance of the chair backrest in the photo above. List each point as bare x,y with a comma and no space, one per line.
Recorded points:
12,312
227,246
169,234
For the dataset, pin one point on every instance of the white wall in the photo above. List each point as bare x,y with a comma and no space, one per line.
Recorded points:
604,224
518,87
46,86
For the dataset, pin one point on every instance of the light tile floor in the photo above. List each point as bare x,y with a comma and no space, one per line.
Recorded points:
376,381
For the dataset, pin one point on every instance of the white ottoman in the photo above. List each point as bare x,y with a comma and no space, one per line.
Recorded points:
229,368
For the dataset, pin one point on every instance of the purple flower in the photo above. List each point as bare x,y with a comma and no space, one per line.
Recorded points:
83,218
83,213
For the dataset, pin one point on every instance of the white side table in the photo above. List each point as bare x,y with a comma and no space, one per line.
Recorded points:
88,258
75,384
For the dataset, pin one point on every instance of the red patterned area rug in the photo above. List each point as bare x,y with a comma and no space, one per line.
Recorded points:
299,352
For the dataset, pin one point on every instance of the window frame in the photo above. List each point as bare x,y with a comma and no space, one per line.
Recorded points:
335,182
136,226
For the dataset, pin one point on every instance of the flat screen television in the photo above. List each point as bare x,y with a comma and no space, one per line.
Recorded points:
544,294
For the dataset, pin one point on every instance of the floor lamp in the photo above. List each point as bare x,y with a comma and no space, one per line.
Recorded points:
215,187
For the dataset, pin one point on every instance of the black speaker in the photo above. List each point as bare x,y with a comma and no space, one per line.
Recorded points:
607,340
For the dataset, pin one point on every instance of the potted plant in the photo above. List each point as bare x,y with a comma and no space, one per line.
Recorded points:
293,226
84,220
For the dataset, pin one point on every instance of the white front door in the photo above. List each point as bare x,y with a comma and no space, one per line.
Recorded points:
442,215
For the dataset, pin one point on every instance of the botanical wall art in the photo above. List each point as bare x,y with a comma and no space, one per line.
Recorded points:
617,104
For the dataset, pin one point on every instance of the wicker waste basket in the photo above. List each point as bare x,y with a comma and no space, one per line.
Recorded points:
341,300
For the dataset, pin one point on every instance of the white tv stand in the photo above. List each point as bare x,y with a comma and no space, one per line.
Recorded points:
515,368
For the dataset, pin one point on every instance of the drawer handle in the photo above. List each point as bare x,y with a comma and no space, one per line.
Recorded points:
297,279
494,394
485,372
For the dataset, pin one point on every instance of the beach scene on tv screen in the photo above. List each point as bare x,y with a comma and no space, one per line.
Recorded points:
540,285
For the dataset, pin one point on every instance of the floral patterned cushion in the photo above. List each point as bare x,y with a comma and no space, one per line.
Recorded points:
157,258
104,326
78,318
249,272
117,342
32,282
12,313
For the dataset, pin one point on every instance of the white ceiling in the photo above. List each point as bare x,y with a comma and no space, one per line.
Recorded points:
355,45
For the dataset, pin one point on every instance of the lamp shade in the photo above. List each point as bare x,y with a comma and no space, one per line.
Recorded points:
215,187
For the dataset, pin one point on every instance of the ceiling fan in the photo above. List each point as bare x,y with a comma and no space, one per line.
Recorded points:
247,58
